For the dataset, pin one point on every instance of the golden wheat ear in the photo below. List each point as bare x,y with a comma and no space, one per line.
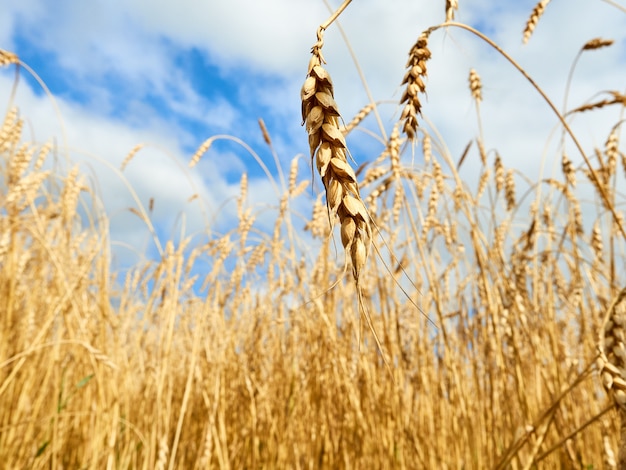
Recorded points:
414,81
320,116
612,360
7,58
531,24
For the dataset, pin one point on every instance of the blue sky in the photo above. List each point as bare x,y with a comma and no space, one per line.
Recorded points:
172,74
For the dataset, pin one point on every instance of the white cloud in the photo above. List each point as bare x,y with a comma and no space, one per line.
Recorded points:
262,49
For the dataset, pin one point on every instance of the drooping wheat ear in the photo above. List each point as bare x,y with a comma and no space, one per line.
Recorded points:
597,43
531,24
451,7
413,78
612,361
327,144
7,58
476,86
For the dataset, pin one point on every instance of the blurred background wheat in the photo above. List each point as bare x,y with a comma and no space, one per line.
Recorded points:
496,301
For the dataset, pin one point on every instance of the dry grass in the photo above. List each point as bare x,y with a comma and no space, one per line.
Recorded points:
266,367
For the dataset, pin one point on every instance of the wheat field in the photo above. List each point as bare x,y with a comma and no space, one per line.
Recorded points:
468,325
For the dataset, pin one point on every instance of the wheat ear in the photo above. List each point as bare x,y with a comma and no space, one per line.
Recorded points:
612,362
327,144
7,58
531,24
413,79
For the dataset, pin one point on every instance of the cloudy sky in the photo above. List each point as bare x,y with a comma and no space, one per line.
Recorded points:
170,75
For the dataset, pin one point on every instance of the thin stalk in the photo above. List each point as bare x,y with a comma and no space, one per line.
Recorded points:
335,15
